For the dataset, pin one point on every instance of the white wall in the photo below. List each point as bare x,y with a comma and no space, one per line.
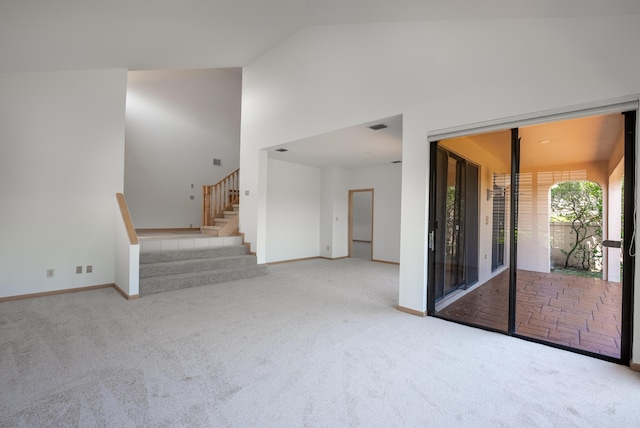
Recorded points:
177,122
438,75
127,259
613,224
386,182
334,212
61,164
333,205
293,211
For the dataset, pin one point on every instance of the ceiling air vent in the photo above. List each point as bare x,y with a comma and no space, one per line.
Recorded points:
282,150
396,161
378,126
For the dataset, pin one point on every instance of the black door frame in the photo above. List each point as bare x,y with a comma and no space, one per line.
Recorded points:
628,245
467,195
628,273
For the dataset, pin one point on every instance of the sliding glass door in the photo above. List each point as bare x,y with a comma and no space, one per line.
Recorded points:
465,236
527,232
457,196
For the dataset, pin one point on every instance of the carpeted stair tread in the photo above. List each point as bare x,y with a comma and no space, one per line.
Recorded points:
195,279
187,254
176,269
149,270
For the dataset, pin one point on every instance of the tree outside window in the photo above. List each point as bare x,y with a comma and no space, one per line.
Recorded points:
579,204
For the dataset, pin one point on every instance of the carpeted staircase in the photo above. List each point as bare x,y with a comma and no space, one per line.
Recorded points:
226,225
175,269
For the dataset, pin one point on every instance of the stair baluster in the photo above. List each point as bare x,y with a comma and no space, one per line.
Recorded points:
218,198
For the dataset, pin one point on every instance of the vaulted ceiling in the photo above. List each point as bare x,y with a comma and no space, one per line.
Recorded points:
151,34
44,35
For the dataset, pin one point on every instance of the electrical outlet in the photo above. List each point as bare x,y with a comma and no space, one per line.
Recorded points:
78,269
50,273
89,269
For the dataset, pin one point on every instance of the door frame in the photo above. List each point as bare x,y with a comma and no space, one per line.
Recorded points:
467,194
628,106
350,235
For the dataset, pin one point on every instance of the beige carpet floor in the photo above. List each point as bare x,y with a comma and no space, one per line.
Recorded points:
315,343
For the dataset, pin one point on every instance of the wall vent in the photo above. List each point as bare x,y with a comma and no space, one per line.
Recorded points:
217,162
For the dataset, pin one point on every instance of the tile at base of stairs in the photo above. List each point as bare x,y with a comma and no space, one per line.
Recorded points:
232,240
186,244
170,244
202,243
150,245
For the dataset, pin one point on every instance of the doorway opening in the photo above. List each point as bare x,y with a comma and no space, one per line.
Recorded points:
551,263
361,224
576,228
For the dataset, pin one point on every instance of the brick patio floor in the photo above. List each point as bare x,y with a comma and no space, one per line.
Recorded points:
583,313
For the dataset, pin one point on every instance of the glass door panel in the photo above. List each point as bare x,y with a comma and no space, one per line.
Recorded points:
568,284
470,245
453,220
